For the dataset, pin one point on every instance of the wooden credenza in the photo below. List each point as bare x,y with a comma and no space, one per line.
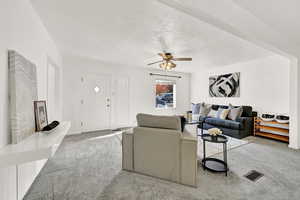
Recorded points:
272,129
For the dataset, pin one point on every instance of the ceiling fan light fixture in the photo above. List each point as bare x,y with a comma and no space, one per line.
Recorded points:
167,59
163,65
167,66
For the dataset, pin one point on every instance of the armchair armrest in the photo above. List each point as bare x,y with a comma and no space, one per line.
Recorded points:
188,136
189,159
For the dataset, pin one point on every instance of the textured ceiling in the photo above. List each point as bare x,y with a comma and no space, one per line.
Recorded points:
281,15
132,33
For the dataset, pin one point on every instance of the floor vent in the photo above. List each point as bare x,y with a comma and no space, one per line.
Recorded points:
253,175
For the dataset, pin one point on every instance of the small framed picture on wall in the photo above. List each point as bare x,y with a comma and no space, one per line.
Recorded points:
40,111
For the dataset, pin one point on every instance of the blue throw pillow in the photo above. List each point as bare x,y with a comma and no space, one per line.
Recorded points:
195,108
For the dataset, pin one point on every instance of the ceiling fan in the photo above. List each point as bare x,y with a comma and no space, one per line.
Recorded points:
167,61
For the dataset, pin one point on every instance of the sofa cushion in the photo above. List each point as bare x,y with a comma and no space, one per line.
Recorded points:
156,121
224,123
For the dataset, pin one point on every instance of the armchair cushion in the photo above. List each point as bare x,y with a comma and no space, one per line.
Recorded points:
155,121
156,152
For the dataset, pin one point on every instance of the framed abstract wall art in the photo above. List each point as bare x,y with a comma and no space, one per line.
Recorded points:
226,85
22,94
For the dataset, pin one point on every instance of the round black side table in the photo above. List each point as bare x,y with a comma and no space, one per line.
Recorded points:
215,164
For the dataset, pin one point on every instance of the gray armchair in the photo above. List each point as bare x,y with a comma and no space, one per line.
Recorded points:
158,148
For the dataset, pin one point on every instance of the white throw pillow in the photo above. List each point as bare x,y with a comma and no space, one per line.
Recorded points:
222,113
196,108
212,113
204,109
234,112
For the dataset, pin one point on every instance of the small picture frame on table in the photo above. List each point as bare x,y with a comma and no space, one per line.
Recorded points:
40,111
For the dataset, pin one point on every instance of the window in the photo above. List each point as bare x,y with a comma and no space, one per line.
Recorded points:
165,91
96,89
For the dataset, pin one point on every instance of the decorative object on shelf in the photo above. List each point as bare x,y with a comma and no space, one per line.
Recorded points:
227,85
271,129
22,94
51,126
41,118
214,131
283,119
267,117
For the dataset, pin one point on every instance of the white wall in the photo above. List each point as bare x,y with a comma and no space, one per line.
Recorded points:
294,103
21,30
264,84
141,90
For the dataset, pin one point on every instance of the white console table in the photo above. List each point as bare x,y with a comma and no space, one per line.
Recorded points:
40,145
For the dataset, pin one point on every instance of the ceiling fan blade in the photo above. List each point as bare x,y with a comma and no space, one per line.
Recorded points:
163,44
173,65
155,62
182,59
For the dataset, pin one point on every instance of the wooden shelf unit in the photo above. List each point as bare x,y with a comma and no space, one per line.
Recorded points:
272,129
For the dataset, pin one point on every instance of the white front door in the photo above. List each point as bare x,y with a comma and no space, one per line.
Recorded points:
96,102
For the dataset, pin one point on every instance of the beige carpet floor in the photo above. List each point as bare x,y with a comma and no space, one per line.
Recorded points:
88,167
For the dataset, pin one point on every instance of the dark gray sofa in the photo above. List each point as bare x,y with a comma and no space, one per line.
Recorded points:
240,128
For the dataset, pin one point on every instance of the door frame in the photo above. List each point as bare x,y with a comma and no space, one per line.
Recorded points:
58,84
